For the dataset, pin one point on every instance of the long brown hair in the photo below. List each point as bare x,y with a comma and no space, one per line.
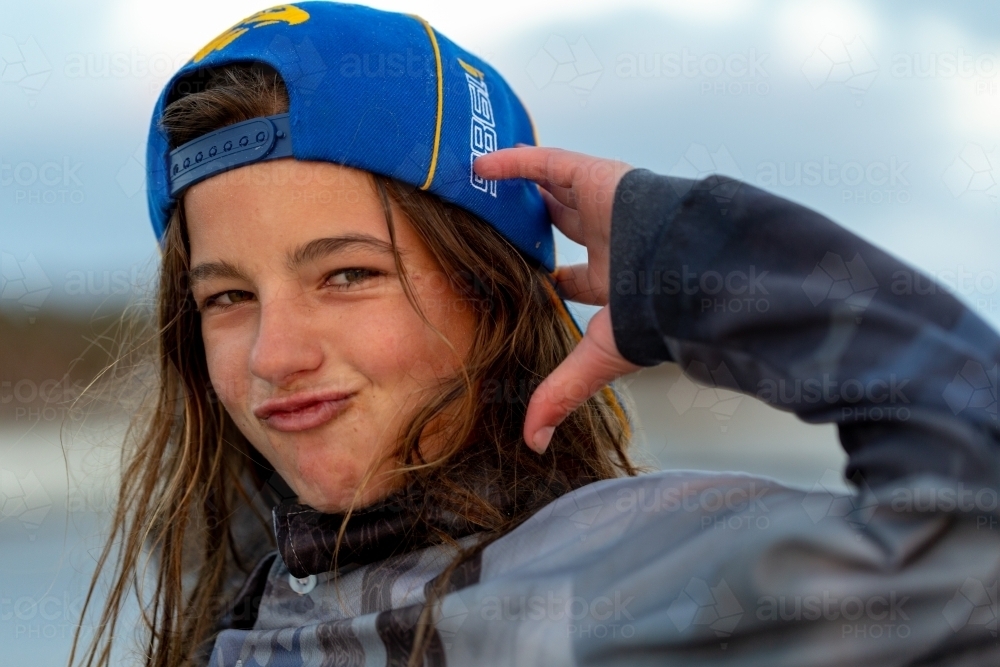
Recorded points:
190,468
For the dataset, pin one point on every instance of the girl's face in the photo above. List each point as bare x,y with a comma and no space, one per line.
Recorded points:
311,343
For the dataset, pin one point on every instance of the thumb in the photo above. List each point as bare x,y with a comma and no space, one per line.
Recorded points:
592,364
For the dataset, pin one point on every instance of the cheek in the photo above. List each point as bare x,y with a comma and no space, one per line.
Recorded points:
392,347
399,353
227,359
451,314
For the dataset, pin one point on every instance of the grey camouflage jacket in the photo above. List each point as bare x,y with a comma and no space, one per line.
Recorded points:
686,567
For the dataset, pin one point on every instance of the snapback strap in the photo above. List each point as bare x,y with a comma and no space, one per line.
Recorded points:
254,140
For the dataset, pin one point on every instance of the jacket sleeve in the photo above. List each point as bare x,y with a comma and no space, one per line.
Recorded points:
752,292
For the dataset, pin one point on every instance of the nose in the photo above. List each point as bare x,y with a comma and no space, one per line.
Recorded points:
285,349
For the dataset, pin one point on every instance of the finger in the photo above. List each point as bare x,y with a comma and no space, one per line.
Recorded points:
592,364
566,219
536,163
564,196
573,282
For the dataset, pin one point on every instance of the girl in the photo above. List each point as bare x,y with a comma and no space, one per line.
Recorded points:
359,335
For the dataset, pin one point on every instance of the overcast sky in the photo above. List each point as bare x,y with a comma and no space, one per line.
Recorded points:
883,116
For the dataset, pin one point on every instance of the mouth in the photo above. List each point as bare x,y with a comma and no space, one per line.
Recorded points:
302,412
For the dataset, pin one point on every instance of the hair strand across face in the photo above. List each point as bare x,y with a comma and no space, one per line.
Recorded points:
191,471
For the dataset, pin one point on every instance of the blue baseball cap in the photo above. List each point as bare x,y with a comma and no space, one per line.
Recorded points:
379,91
375,90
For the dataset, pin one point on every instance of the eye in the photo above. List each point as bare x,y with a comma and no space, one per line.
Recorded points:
346,278
227,299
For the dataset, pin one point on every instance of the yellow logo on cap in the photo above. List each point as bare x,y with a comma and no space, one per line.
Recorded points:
289,14
470,69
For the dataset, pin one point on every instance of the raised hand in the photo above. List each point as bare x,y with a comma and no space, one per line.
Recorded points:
579,191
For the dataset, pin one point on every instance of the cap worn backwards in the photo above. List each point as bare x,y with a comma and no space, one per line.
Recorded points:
370,89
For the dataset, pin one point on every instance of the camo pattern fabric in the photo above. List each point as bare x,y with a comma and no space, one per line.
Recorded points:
753,293
671,568
364,612
687,567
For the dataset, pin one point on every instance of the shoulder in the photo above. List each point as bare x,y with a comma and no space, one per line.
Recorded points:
673,505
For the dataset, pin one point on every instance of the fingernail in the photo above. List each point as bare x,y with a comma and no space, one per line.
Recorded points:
543,437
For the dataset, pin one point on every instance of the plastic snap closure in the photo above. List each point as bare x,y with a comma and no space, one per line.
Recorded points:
302,586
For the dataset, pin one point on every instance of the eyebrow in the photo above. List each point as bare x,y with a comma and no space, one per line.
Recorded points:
308,252
318,248
210,270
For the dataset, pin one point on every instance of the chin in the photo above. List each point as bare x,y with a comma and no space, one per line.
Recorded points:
340,500
334,496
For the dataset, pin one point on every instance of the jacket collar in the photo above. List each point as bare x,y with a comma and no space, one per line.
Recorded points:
307,538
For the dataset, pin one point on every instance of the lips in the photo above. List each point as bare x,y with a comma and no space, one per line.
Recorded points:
303,411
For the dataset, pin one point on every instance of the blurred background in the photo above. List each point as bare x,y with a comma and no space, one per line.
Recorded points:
883,116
